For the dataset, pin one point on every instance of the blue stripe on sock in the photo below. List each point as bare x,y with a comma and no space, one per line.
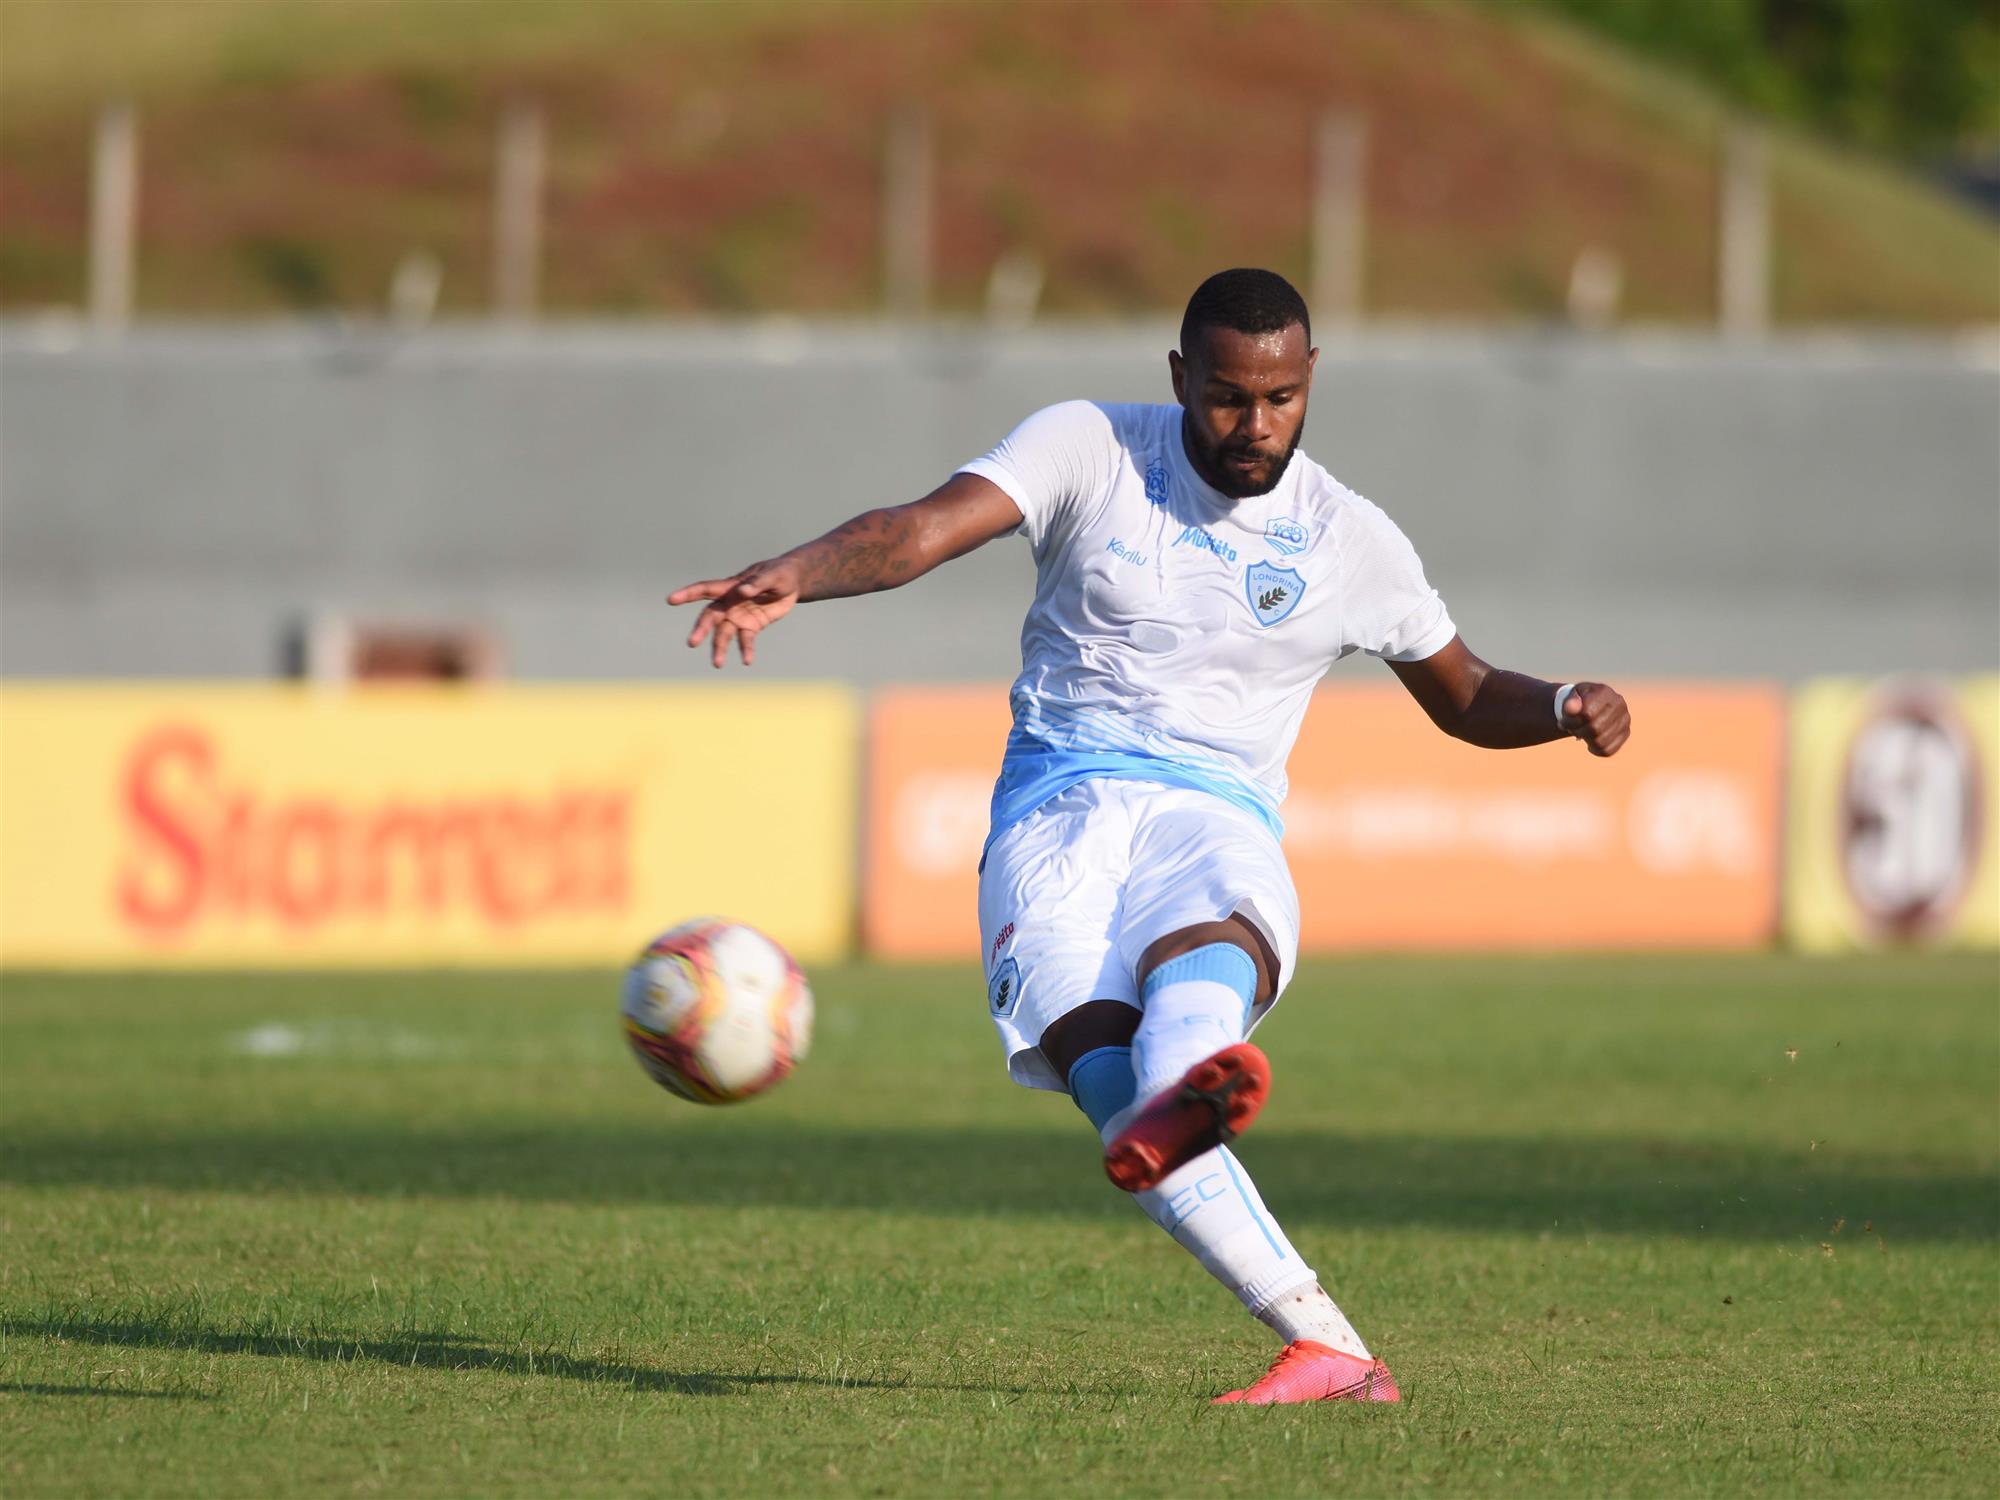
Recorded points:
1102,1083
1249,1202
1219,963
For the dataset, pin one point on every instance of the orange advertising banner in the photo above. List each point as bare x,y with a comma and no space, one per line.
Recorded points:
1398,836
932,755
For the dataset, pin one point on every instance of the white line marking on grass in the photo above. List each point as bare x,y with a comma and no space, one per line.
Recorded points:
360,1041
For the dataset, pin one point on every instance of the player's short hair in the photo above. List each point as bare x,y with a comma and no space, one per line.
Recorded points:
1244,300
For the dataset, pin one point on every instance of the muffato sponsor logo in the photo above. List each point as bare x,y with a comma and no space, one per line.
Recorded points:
204,843
1194,536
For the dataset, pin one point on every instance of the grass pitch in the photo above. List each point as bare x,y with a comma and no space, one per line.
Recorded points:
1632,1226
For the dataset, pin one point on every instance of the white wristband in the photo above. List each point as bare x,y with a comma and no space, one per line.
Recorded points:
1563,693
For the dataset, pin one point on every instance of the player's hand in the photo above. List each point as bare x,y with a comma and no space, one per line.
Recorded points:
739,607
1597,715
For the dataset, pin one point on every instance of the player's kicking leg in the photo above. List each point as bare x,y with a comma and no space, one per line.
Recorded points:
1166,1088
1199,1083
1131,932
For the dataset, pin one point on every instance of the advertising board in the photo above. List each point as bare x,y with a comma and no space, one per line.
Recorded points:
1399,837
262,826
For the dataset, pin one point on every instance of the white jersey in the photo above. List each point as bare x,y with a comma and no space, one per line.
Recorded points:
1176,634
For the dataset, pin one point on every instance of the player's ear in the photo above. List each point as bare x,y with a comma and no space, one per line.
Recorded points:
1177,369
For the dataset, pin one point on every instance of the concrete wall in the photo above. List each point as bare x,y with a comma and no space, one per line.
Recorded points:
169,505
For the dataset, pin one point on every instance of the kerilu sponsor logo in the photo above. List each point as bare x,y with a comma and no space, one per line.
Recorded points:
1126,553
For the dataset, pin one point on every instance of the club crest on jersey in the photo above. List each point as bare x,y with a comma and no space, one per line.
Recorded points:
1156,482
1274,592
1004,990
1288,536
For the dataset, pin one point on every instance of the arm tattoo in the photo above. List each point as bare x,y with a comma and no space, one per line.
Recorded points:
875,550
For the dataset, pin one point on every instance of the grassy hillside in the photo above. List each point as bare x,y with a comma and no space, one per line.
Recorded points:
712,158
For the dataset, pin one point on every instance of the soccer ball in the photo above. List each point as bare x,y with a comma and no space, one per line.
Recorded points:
716,1012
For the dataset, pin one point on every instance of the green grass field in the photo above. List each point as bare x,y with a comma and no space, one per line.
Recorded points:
1631,1226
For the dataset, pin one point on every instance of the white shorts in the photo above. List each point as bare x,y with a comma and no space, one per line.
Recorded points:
1073,895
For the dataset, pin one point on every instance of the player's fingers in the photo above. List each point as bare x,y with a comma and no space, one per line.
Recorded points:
746,643
1620,728
1573,705
725,631
1611,729
1606,709
708,588
703,624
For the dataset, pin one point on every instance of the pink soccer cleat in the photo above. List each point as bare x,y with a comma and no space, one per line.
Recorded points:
1215,1101
1308,1371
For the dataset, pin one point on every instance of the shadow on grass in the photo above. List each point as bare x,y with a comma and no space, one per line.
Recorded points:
1569,1184
421,1351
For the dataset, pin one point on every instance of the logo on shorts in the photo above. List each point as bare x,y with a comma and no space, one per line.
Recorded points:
1288,536
1005,989
1156,482
1274,592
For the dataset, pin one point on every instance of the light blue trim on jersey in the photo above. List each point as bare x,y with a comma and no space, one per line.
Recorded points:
1052,749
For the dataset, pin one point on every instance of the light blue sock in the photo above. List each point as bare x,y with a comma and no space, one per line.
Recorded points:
1102,1083
1195,1005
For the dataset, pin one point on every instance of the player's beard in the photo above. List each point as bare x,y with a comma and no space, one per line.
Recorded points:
1219,477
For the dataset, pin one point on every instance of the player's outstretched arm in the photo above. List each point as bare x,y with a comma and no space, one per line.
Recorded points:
1497,710
879,549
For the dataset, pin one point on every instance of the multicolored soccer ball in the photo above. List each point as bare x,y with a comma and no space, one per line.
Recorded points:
717,1012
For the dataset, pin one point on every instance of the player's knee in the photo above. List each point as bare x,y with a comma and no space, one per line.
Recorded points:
1095,1024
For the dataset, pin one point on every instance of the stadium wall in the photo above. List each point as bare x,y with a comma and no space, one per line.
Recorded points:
177,502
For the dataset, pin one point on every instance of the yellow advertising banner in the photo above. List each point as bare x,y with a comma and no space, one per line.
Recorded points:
263,826
1895,814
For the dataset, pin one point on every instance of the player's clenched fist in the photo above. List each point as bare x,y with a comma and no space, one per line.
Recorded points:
740,606
1597,715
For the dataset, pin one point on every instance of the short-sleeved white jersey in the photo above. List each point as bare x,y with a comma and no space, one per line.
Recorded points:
1176,634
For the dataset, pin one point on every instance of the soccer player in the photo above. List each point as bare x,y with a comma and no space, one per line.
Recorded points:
1197,575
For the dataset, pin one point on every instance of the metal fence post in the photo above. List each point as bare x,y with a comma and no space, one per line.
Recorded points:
1743,291
906,214
1340,144
517,212
114,216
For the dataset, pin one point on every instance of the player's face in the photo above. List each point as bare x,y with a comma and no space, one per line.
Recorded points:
1245,398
